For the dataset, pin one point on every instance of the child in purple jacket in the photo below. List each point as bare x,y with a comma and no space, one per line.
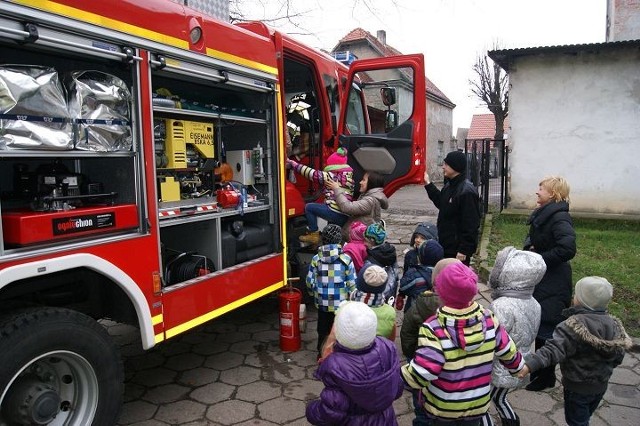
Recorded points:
354,395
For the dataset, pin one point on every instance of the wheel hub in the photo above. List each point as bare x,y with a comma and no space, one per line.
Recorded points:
32,402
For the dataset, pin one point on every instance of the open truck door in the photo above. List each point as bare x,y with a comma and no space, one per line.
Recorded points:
383,119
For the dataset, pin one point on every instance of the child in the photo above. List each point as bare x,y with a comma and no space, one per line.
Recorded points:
356,248
589,344
370,284
337,170
381,253
417,279
512,279
425,306
452,365
361,377
424,231
331,278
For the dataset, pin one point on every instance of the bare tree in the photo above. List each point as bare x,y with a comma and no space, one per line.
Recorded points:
492,88
286,13
293,12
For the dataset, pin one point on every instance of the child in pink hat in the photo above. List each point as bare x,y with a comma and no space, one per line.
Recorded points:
452,367
336,170
356,247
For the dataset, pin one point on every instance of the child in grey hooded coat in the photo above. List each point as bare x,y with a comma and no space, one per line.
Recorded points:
512,280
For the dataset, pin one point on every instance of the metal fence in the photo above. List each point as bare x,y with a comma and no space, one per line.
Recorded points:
488,165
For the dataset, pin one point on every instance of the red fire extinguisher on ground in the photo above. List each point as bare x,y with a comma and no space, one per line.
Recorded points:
289,299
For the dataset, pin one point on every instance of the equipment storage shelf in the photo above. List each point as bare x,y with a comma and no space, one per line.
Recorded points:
69,149
50,200
215,164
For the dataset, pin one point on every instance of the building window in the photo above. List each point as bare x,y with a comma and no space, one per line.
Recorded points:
440,152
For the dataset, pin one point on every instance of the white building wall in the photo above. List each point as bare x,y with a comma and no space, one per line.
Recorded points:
623,20
577,116
440,122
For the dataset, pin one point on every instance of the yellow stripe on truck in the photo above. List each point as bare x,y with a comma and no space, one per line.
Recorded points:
241,61
220,311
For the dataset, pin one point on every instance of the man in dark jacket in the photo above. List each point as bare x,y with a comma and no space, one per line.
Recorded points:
459,209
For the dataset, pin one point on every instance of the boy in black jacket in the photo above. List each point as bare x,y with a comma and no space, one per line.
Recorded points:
589,344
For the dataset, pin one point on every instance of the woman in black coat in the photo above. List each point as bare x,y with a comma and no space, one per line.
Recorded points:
551,235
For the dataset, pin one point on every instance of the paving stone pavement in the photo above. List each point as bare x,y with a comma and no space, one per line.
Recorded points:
231,371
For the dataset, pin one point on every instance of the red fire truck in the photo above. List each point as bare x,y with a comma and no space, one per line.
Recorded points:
114,116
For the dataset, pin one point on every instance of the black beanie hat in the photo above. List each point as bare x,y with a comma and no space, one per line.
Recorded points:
331,234
457,161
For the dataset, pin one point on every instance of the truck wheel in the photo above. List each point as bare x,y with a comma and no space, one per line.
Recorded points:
59,367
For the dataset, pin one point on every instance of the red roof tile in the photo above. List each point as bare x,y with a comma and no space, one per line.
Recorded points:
358,34
483,126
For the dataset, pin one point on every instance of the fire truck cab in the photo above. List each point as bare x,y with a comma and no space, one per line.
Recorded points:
116,118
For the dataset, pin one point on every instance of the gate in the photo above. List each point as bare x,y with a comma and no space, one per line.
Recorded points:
488,165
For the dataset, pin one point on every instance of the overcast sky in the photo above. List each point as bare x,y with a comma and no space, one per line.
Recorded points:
450,33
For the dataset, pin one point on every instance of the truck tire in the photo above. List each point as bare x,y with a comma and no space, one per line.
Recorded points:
58,366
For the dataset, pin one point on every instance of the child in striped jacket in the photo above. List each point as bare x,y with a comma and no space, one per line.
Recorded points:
456,347
337,170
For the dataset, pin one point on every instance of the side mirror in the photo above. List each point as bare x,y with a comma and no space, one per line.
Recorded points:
390,120
388,95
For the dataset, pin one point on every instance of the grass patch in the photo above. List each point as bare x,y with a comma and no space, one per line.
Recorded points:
607,248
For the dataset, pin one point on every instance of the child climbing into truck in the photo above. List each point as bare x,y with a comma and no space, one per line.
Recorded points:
337,170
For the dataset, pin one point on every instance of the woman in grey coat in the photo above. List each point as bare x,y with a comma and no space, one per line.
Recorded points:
512,280
367,208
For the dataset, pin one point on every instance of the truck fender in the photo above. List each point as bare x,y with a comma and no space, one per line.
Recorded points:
85,260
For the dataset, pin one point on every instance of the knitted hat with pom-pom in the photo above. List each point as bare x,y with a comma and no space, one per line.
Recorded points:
337,161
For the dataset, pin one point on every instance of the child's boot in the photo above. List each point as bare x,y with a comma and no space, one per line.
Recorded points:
509,422
311,237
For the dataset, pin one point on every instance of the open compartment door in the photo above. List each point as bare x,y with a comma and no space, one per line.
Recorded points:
383,119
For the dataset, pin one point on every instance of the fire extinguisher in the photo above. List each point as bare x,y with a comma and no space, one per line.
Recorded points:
289,300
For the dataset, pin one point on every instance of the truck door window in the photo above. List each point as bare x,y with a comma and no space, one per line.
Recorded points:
399,79
355,114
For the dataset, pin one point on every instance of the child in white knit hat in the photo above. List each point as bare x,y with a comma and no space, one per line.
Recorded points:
351,392
589,344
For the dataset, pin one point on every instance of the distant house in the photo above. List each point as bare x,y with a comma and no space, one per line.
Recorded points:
361,44
575,111
483,126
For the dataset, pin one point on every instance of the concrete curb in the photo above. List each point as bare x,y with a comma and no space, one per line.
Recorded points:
483,254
